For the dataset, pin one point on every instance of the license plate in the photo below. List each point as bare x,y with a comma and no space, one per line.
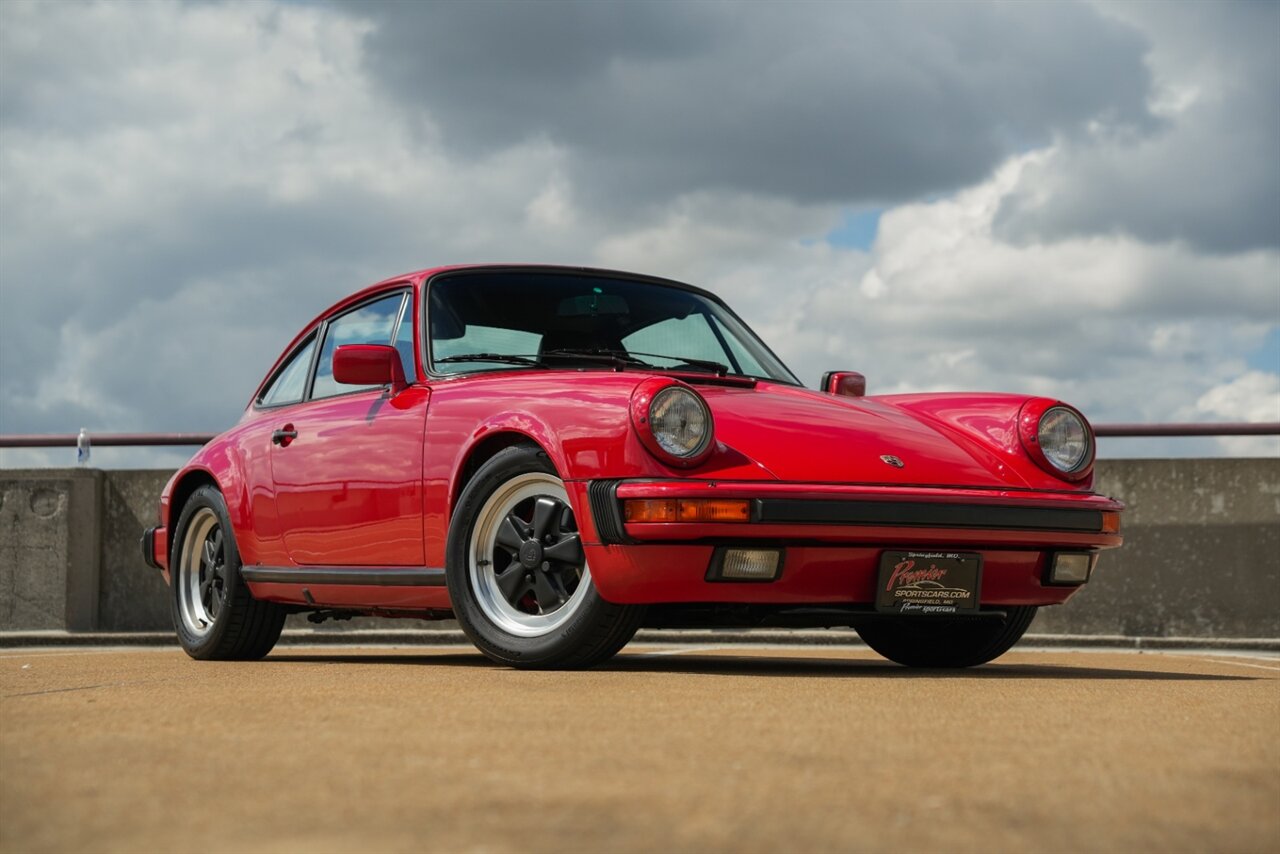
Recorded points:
929,582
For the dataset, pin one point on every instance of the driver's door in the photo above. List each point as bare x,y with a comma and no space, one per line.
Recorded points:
347,465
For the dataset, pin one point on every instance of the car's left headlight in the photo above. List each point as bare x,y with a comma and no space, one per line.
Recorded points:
1064,439
1057,438
673,421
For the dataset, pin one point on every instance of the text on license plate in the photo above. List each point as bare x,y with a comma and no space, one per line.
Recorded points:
929,582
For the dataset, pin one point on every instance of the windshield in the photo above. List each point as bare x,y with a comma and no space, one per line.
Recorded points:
507,320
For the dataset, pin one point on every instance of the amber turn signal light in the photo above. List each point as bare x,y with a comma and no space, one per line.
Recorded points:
687,510
1110,522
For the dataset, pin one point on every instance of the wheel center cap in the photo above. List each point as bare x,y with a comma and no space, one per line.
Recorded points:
531,554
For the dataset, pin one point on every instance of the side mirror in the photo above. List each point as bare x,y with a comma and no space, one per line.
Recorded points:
369,364
845,383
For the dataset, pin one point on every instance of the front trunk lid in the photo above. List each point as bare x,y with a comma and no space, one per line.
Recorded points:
806,436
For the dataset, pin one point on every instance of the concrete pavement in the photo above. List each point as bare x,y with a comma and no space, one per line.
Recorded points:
666,749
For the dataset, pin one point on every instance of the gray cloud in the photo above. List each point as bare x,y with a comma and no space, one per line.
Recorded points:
816,102
1211,176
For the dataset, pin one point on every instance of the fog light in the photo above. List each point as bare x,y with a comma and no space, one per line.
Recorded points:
1072,568
745,565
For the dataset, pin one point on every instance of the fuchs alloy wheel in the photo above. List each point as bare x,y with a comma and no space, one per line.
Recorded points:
213,612
517,574
936,642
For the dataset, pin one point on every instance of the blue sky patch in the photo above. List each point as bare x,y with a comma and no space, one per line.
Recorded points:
858,231
1267,357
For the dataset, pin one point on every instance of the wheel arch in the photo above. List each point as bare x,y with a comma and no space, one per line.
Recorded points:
183,488
485,449
218,466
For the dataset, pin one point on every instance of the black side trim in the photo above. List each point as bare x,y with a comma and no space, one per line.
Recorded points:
373,576
926,515
602,495
148,546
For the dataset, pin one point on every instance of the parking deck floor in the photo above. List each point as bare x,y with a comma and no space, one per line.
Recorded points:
665,749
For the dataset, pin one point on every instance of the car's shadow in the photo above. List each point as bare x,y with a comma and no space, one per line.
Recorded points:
745,664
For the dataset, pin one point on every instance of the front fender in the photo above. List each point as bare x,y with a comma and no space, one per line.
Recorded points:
988,422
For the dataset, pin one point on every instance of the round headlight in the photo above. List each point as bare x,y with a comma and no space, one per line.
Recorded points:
1064,439
680,422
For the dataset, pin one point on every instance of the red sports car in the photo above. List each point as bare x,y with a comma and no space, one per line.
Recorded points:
557,456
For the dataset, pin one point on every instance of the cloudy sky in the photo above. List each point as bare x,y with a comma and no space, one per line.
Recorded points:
1079,200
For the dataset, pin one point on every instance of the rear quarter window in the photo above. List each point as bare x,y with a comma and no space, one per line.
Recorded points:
290,382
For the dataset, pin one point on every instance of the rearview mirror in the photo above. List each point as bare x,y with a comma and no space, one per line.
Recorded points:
593,305
844,383
368,364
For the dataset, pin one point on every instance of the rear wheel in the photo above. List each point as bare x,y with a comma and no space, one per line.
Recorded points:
518,578
925,642
214,614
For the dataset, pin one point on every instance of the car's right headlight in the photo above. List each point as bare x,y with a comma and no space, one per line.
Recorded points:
673,421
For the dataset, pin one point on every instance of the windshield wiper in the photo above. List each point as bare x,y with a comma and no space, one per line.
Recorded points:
625,357
705,364
491,357
616,357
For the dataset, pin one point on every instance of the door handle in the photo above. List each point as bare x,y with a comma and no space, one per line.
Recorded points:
284,435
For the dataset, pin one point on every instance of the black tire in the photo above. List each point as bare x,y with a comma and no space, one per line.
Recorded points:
215,616
926,642
544,612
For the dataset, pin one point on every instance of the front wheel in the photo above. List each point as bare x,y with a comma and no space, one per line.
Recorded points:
928,642
213,612
517,574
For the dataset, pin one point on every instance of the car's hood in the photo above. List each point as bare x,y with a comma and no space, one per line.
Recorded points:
802,435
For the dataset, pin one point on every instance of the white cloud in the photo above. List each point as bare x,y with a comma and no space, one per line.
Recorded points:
1253,396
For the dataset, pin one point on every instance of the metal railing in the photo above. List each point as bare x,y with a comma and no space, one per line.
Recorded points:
125,440
1198,428
103,440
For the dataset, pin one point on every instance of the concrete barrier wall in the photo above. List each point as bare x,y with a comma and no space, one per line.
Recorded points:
50,549
1201,555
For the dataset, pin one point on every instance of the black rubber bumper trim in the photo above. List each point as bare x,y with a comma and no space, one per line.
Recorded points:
602,495
372,576
925,515
148,546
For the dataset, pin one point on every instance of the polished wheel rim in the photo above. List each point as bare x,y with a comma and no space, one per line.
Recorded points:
202,573
525,557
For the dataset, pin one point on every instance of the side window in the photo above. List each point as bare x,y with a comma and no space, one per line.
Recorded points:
291,383
404,340
369,324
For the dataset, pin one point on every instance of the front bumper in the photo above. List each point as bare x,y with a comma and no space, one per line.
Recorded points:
833,536
154,545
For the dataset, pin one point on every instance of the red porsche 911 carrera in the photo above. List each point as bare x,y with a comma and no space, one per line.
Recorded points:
558,456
